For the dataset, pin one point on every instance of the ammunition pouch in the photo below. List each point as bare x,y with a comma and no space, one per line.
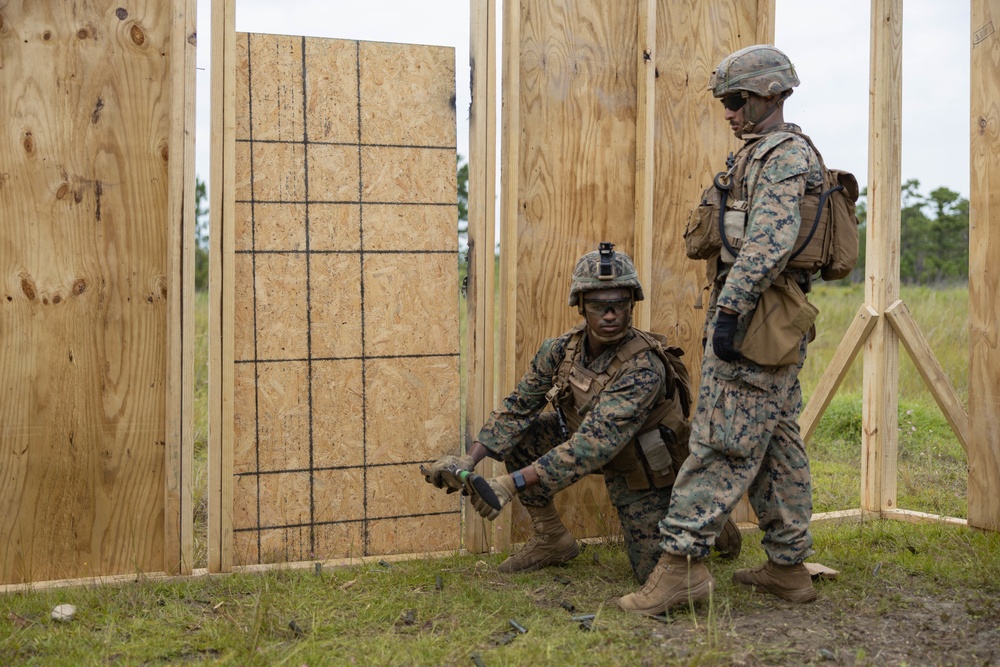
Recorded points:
782,318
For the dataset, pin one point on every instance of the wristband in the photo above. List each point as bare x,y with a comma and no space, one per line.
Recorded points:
518,478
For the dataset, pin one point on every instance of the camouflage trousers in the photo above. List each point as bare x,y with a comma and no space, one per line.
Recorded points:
744,438
639,511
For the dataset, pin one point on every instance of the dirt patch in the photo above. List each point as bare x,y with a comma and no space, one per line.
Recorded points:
904,630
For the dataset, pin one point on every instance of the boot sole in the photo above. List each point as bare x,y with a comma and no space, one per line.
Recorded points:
798,597
557,559
693,595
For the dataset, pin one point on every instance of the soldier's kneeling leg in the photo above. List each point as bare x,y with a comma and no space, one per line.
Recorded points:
640,525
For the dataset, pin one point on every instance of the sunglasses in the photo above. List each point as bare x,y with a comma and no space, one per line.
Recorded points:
734,101
598,307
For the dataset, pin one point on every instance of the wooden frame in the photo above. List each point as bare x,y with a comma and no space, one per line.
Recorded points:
97,363
984,256
480,279
221,355
178,506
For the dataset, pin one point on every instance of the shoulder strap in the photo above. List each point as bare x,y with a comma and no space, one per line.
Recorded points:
562,372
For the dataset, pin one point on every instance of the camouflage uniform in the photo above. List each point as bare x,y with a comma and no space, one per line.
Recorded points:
744,433
520,436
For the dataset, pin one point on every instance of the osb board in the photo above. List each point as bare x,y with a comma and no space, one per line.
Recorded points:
576,163
86,108
984,284
346,304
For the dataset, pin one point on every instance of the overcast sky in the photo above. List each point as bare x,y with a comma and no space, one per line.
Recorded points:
828,43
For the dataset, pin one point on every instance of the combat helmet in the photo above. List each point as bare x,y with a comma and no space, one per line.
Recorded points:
760,69
604,269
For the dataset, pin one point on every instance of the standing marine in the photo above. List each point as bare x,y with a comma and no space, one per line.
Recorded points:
620,399
745,433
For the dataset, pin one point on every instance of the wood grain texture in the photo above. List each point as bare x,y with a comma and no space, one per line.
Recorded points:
344,298
577,104
645,163
510,177
984,256
88,111
571,158
480,317
692,142
221,367
880,420
178,501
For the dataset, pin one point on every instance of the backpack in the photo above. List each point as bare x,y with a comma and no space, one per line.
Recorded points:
828,235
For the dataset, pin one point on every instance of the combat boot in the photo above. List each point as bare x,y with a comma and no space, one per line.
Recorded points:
789,582
729,543
675,581
551,544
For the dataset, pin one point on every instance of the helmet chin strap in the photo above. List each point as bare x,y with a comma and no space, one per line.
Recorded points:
607,340
751,123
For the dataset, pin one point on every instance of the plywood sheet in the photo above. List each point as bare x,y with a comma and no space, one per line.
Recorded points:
576,104
346,302
87,110
691,143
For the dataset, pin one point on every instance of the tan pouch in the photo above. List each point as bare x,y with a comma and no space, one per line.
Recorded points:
782,318
701,235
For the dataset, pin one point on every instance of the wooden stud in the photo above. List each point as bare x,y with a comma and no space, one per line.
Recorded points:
842,516
910,516
930,370
881,359
510,176
178,510
645,155
480,330
221,288
984,256
854,338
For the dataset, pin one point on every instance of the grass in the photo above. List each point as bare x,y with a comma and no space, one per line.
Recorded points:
373,614
397,615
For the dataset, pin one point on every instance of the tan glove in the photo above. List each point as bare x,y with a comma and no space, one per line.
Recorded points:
442,472
504,487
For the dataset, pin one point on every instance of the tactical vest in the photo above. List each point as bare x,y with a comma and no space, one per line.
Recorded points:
828,234
661,445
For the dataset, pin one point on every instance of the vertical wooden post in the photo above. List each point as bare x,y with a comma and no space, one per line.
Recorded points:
984,282
881,361
221,355
482,230
509,179
179,516
645,156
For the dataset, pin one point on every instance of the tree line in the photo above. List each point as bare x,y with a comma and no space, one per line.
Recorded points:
934,236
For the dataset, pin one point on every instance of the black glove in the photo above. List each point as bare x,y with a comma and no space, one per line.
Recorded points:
723,336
